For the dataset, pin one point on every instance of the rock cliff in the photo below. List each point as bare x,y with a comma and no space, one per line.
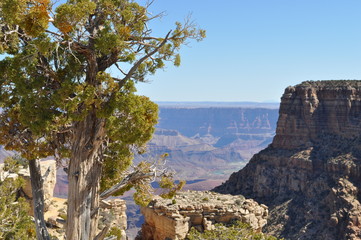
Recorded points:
310,174
172,219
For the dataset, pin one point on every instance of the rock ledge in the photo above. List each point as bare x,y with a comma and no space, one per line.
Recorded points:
172,219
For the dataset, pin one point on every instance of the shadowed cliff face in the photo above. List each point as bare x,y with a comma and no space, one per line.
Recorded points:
310,176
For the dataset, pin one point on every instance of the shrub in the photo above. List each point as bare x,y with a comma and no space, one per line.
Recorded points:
233,231
116,232
15,222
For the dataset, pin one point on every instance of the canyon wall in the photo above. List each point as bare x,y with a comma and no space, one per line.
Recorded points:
218,121
310,174
205,143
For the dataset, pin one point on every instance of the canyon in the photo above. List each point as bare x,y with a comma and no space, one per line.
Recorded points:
208,142
309,176
306,179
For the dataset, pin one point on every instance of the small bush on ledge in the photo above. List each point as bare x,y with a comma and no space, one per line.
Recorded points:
233,231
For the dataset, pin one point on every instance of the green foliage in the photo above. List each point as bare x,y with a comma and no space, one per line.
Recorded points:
63,216
233,231
70,16
32,16
14,212
140,180
56,78
14,163
115,232
45,84
170,187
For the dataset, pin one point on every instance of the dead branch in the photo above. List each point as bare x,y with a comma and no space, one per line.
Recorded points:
132,178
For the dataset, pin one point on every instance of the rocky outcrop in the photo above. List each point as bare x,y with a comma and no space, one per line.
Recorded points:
113,214
172,219
310,175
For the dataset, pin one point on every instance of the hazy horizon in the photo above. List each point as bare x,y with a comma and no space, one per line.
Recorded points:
217,104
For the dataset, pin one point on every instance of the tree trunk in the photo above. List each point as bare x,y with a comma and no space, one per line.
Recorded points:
84,176
38,199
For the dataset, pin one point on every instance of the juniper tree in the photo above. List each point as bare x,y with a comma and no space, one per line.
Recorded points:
59,98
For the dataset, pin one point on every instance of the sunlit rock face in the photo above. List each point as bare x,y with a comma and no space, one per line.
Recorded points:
313,109
173,218
310,175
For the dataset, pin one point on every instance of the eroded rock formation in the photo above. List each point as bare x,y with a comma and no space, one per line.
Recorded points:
310,175
113,214
172,219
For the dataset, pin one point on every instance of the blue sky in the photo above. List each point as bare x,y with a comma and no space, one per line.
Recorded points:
256,48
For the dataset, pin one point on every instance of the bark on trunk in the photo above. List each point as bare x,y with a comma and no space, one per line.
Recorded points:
84,176
38,199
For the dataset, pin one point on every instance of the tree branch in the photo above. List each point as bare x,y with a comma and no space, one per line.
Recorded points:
102,234
140,61
131,178
107,61
53,33
116,64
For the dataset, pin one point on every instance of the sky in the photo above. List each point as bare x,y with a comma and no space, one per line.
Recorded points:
256,48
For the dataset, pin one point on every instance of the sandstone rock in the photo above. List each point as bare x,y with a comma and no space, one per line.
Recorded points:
114,214
200,210
53,223
207,225
311,170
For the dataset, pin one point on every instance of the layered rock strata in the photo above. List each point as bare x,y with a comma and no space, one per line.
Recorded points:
310,175
172,219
